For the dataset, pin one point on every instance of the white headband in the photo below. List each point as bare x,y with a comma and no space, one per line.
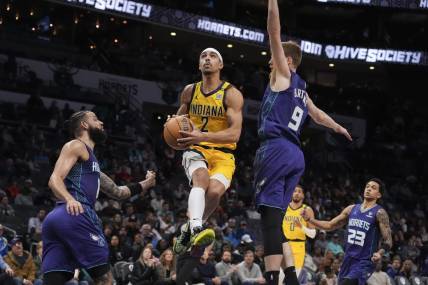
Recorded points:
214,51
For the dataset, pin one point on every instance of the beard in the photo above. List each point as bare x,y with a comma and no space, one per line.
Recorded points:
296,200
97,135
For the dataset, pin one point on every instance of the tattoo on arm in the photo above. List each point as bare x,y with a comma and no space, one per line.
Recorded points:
385,227
110,188
342,219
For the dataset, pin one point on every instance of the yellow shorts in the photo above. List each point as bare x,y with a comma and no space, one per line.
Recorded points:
299,251
220,165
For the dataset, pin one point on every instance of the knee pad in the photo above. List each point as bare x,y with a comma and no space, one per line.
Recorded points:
273,237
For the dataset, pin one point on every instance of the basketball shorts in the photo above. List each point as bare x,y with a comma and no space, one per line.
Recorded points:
298,249
220,165
359,269
278,166
71,242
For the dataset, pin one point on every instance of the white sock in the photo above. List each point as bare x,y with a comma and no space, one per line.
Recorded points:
196,207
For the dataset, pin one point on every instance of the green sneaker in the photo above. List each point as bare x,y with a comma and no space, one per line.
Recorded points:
182,242
200,240
202,237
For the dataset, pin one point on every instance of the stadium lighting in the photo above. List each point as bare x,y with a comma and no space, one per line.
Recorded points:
150,38
241,56
92,46
264,53
116,41
97,24
1,21
8,7
371,67
31,13
17,17
229,45
173,34
76,21
125,22
331,65
33,29
111,19
51,25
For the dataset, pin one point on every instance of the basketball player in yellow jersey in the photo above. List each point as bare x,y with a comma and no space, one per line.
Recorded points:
296,228
215,110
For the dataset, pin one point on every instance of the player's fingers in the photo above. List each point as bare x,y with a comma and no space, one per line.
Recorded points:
184,133
80,208
184,140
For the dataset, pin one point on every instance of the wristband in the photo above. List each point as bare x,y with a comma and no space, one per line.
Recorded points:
135,188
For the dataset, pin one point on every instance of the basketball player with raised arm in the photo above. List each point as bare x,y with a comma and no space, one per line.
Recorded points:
215,110
72,232
365,222
296,229
279,162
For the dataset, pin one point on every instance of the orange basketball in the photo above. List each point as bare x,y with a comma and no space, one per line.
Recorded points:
172,128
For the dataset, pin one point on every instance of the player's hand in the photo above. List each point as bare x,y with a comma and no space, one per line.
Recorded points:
150,180
191,138
376,257
305,214
9,271
261,280
341,130
216,280
74,207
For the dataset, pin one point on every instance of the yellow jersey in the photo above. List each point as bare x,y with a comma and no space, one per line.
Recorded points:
208,111
291,231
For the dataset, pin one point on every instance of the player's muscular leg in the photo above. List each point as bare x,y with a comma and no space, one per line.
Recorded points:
201,178
213,195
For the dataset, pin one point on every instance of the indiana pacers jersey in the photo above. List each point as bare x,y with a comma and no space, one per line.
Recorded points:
208,111
291,231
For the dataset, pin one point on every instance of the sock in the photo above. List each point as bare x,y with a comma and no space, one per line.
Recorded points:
272,277
290,276
196,207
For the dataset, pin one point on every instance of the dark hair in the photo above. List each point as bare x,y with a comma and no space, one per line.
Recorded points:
248,251
301,187
75,121
378,181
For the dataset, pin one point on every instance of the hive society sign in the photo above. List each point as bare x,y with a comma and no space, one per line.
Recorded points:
123,6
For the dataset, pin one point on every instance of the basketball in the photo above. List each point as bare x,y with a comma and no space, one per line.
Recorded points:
172,128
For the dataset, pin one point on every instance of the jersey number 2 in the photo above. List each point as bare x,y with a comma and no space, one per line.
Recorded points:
205,123
296,119
356,237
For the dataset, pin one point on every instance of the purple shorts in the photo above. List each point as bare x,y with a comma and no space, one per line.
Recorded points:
72,242
278,166
353,268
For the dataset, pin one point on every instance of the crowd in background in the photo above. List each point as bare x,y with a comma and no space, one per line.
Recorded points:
141,231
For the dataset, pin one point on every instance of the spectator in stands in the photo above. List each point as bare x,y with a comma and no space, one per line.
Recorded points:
22,263
157,202
335,266
334,245
166,269
321,241
118,251
225,270
394,268
379,277
206,273
410,250
5,208
38,260
407,269
6,273
35,225
137,246
330,278
259,257
149,236
3,242
144,271
242,230
248,272
318,256
26,196
13,190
